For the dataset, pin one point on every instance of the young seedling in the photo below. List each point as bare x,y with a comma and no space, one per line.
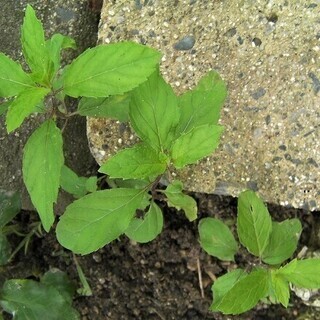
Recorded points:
121,81
174,132
98,72
272,242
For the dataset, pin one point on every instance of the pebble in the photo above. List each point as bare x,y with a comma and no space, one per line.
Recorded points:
231,32
256,42
65,14
97,257
316,82
260,92
186,43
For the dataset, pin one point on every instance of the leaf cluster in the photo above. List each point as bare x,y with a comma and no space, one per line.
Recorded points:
98,72
174,132
50,298
120,81
272,242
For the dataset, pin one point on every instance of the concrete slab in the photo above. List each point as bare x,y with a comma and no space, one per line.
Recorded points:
268,52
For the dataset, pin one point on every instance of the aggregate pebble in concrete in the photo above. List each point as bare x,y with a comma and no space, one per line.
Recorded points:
186,43
268,52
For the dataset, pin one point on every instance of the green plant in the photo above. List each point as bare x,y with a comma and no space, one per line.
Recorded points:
50,298
28,299
174,132
121,81
272,243
10,206
98,72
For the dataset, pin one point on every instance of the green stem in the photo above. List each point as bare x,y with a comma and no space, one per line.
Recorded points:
6,230
25,240
85,290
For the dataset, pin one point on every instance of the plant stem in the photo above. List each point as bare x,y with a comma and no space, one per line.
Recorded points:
85,290
25,240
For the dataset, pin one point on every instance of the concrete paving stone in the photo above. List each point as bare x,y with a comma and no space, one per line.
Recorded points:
268,52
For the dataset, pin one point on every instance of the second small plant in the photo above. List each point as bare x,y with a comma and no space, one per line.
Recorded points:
272,243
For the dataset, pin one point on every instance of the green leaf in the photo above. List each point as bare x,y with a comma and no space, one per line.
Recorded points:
224,284
110,69
23,106
60,281
28,299
213,82
40,108
288,268
154,112
303,273
57,84
283,241
244,294
202,105
41,167
4,106
128,183
217,239
5,250
13,80
281,288
77,186
55,45
148,228
10,206
91,184
254,224
34,47
99,218
138,162
115,107
179,200
196,144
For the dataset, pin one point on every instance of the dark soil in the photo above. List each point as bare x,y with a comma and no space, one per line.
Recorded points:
159,280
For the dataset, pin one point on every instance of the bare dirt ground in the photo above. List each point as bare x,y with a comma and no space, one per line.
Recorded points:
158,280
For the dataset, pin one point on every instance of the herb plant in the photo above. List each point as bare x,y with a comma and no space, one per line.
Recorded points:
98,72
174,132
50,298
25,298
272,243
121,81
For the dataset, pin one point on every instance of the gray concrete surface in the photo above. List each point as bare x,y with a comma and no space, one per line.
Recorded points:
69,17
268,52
